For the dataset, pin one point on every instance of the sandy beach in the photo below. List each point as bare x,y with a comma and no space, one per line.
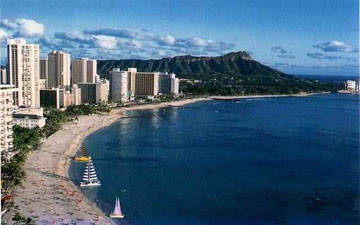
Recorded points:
48,195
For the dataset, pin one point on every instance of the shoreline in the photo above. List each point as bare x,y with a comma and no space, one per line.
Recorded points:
302,94
48,195
48,181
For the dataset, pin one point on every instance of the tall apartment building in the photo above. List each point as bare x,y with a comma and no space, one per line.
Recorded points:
91,70
23,72
3,76
119,87
146,83
83,70
142,83
58,70
168,84
6,120
102,91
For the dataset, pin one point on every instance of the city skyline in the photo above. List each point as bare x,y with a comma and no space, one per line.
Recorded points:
296,37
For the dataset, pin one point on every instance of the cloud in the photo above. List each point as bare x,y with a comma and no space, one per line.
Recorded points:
335,46
103,41
137,34
3,34
166,40
317,55
142,37
113,43
195,42
137,43
23,27
134,43
281,52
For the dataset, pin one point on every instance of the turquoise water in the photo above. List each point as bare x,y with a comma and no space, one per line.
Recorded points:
253,161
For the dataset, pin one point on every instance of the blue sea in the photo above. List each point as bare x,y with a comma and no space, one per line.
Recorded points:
291,160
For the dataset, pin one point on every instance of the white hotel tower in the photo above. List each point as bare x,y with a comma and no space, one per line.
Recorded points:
119,85
23,72
6,119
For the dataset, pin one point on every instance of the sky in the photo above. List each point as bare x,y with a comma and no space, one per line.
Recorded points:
318,37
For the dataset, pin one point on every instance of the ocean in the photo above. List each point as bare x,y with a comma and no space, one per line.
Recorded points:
288,160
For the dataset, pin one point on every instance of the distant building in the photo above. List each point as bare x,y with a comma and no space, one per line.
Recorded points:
75,95
44,68
146,84
119,87
88,92
29,117
58,70
168,84
125,84
23,72
83,70
3,76
94,92
350,85
91,70
6,121
102,91
52,98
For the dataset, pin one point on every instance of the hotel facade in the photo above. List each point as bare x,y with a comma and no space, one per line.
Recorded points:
83,70
23,72
119,87
131,83
58,70
6,120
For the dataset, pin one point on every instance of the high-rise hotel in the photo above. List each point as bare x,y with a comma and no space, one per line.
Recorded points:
125,84
6,119
58,70
119,87
83,70
23,72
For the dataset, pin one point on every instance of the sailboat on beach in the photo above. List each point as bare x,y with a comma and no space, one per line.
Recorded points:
89,177
117,211
84,157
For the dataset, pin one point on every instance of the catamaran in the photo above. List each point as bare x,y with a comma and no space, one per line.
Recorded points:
117,211
84,157
89,177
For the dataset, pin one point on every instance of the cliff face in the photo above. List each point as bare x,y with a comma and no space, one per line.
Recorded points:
237,63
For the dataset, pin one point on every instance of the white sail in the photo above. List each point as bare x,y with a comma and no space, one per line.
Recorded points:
89,178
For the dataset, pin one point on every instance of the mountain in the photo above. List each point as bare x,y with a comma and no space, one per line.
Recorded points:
233,73
233,62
